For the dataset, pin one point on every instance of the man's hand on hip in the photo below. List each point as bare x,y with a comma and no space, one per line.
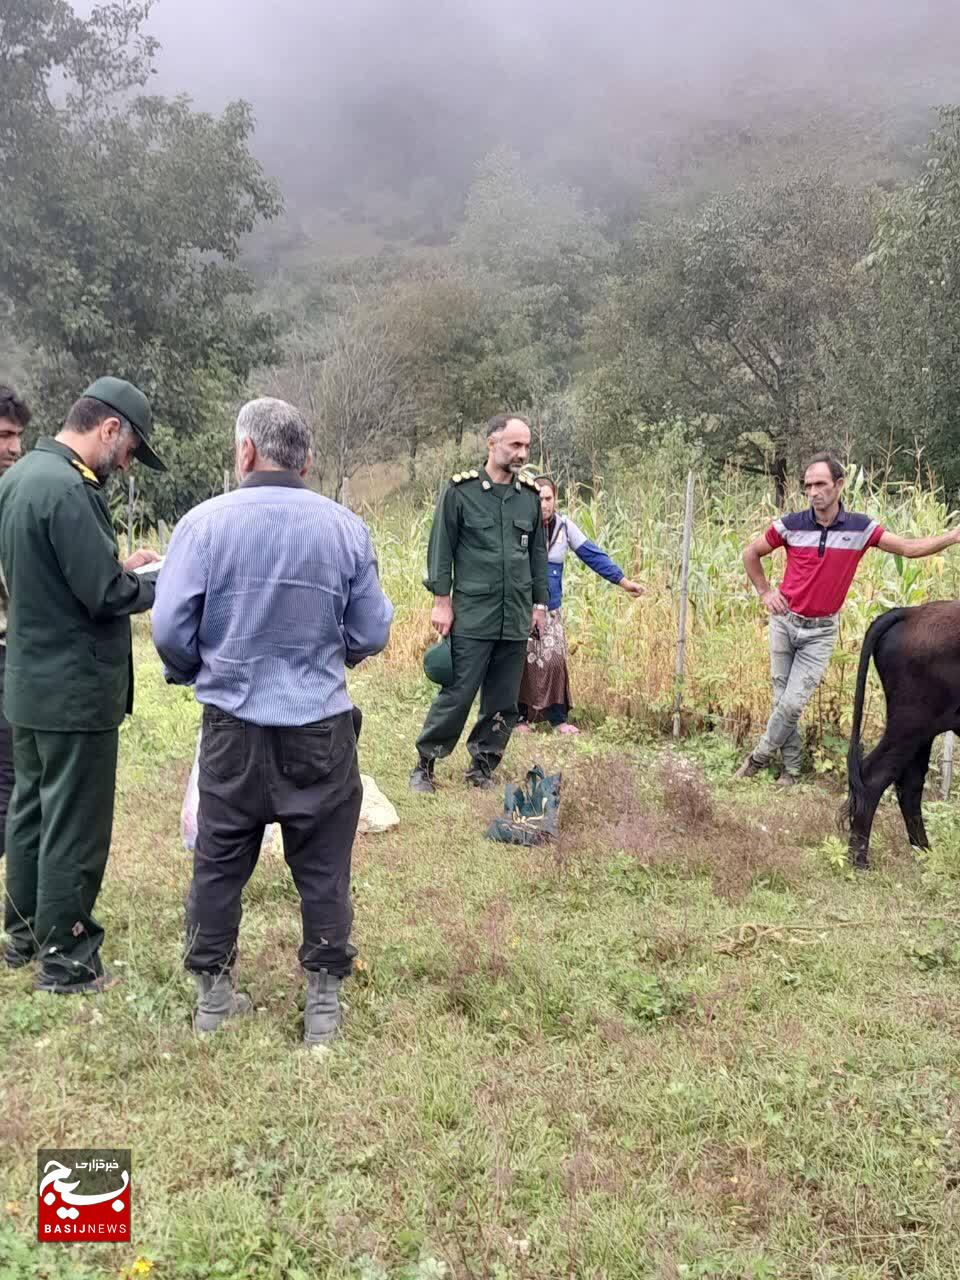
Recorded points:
441,615
774,601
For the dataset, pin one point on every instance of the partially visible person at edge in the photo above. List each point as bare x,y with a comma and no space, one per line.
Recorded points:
487,548
69,677
824,545
267,594
545,687
14,417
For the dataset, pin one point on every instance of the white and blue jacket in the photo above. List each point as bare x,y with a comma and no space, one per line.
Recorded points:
565,536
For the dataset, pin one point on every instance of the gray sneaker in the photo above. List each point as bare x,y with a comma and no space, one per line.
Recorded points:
217,1001
787,779
322,1014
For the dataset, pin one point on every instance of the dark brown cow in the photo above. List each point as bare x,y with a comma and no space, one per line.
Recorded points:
917,655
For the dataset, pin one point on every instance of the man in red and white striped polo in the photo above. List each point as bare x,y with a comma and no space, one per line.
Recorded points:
824,545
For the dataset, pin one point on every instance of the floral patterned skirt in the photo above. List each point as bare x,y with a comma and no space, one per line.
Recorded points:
545,682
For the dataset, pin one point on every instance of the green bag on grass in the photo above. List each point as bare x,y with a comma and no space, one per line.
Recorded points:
531,811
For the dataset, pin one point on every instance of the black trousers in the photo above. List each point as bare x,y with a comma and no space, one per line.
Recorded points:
58,839
6,758
306,779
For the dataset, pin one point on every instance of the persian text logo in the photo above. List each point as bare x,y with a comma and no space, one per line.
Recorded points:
83,1195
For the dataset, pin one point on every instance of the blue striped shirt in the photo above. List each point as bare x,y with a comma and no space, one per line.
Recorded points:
265,595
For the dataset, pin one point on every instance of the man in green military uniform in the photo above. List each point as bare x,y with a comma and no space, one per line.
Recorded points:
487,544
69,677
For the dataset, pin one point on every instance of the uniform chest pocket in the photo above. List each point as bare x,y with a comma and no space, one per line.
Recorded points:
522,534
480,532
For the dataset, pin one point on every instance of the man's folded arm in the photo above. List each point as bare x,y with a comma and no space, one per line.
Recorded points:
368,612
178,608
89,564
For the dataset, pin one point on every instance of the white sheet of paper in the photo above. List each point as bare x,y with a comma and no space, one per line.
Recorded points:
153,567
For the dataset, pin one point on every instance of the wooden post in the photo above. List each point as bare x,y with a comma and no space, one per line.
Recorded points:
131,493
162,535
226,479
684,581
946,764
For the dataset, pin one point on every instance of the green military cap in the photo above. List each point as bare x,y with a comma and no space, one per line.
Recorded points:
438,663
130,402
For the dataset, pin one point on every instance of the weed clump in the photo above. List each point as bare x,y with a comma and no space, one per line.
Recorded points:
686,796
611,812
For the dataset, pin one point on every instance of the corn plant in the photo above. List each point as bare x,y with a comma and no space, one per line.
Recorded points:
622,650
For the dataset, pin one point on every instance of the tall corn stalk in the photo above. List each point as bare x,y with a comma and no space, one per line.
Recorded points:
622,650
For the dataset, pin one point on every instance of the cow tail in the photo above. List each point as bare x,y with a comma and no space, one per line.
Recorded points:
855,792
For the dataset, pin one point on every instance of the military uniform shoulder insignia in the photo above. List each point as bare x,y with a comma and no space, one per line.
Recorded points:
457,479
531,484
85,471
464,475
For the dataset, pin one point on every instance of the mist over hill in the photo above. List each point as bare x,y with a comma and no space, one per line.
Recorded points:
384,101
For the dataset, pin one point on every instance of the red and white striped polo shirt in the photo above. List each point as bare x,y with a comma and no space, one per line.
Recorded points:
821,560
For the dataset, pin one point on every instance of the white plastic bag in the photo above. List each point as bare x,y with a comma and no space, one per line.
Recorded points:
191,804
377,814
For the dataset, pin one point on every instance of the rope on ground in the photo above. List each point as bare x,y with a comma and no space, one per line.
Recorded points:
748,937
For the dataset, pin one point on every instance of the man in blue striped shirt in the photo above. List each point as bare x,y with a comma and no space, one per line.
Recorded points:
264,598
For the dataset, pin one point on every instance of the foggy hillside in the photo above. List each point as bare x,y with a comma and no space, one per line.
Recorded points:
624,99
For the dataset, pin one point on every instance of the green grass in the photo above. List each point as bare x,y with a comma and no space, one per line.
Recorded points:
573,1061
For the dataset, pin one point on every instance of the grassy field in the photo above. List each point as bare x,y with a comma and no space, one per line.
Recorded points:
685,1042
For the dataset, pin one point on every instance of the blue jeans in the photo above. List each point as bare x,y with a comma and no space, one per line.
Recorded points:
799,656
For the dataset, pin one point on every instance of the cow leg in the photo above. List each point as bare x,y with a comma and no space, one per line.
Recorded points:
910,795
882,766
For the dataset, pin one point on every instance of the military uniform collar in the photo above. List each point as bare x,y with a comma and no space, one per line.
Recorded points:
47,444
510,486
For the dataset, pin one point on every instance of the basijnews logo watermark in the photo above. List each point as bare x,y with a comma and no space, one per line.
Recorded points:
83,1195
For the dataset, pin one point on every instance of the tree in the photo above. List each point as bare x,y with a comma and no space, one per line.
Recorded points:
544,250
465,350
120,229
894,359
718,320
348,386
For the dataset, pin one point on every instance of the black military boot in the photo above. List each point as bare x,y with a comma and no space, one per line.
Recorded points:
421,779
15,959
477,776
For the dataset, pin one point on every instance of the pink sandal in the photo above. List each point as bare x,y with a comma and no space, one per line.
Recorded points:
567,727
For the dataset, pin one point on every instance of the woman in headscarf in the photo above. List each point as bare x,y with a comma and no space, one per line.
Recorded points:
545,688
